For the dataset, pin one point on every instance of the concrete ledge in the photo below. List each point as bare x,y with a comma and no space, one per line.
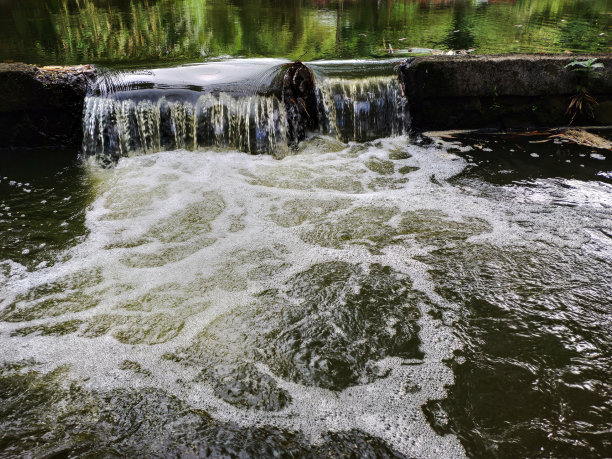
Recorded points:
42,106
510,91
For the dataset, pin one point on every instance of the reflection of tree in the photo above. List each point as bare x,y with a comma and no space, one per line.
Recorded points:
339,27
157,31
460,35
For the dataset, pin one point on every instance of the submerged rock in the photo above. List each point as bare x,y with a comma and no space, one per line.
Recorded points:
42,106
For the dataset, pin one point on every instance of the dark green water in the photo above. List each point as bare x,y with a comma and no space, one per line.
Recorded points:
120,33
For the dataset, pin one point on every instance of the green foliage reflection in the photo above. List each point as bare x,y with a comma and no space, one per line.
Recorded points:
158,31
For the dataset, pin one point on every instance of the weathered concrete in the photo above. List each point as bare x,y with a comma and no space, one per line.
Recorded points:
42,106
510,91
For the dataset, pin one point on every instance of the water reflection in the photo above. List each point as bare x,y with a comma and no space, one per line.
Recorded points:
158,31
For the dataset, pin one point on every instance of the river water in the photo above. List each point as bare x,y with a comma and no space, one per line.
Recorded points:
377,296
140,33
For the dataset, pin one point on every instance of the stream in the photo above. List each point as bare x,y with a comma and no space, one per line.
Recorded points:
367,293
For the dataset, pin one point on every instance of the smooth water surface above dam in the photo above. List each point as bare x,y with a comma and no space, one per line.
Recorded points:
137,32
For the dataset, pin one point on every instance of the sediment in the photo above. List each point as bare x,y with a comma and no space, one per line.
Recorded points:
42,106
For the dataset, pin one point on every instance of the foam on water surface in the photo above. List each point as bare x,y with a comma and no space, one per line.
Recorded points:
292,293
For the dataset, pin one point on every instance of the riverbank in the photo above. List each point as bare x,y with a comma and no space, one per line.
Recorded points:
508,91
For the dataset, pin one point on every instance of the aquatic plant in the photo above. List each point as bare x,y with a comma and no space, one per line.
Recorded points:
582,101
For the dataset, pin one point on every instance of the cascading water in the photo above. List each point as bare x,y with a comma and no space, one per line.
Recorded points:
133,113
116,127
192,107
362,109
386,298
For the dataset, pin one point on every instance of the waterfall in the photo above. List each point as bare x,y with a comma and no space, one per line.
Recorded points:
362,109
239,105
115,127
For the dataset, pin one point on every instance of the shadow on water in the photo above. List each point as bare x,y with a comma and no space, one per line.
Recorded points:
43,197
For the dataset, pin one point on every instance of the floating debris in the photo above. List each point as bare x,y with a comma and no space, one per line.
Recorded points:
582,137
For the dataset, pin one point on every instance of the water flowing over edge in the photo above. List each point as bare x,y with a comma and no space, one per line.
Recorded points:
121,117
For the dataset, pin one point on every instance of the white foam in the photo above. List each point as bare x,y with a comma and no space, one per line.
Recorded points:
185,229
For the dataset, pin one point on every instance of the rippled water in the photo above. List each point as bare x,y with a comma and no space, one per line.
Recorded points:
387,298
118,32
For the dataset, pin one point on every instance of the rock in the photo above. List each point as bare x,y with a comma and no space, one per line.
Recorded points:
42,106
300,101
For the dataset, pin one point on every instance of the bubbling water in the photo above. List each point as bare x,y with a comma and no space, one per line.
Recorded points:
199,278
368,298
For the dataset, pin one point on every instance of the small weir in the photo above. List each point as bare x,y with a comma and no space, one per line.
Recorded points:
196,107
118,127
362,109
190,107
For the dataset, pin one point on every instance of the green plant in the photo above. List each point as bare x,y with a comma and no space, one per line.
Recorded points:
587,66
494,105
582,101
